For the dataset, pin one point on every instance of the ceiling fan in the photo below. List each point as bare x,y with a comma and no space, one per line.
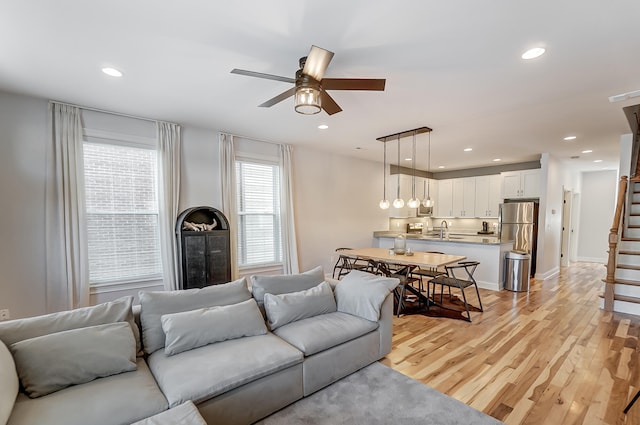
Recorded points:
310,88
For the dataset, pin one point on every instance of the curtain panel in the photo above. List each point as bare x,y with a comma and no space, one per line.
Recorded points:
289,244
229,207
169,141
67,280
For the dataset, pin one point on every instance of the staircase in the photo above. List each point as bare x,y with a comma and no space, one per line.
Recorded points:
626,284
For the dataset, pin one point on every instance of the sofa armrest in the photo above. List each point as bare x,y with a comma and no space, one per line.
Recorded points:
385,325
8,383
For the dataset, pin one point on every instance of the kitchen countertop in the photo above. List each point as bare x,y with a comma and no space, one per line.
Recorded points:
452,237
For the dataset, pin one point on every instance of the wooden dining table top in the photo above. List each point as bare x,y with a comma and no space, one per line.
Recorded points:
424,259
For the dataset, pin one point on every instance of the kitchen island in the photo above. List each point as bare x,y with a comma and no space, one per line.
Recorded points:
487,249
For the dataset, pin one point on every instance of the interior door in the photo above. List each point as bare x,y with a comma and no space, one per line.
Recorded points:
566,228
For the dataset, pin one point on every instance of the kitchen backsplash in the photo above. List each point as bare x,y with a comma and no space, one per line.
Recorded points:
456,225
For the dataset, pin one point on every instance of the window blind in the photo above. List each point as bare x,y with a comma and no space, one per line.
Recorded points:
121,195
258,203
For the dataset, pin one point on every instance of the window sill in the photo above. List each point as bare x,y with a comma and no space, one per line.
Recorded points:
104,288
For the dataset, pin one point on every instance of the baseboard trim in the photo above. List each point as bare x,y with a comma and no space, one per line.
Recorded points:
548,275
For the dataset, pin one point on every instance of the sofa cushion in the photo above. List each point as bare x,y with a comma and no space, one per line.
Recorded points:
31,327
192,329
115,400
185,414
55,361
155,304
362,294
8,383
192,375
286,308
282,284
320,333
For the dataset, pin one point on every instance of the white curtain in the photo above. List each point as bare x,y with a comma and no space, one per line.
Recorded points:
67,265
229,208
289,245
168,135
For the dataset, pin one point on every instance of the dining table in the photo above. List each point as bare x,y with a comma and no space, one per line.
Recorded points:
409,262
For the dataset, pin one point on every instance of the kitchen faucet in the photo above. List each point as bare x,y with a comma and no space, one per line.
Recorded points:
443,225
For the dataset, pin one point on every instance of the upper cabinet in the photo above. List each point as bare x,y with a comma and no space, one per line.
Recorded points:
521,184
464,197
444,201
487,196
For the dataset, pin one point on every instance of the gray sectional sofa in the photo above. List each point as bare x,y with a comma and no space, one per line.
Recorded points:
238,355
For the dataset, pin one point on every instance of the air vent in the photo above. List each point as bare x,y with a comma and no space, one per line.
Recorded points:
575,157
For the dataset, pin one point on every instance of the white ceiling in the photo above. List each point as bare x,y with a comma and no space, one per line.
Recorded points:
454,66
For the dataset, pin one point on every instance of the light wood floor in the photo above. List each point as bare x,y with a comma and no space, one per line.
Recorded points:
550,356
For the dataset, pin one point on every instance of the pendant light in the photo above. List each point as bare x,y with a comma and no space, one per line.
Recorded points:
384,204
413,202
428,202
398,202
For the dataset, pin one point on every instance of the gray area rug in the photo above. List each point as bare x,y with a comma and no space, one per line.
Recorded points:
378,395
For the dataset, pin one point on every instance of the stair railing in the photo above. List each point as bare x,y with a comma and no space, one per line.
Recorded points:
614,237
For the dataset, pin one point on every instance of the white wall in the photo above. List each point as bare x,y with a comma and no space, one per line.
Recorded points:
336,197
23,131
336,205
597,204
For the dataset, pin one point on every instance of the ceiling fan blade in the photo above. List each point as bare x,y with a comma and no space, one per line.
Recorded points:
261,75
328,104
279,98
317,62
353,84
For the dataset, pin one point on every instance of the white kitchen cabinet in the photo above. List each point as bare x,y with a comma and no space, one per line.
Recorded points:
521,184
444,201
487,195
464,197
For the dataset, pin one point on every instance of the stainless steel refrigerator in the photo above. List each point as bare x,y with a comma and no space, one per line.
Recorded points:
519,223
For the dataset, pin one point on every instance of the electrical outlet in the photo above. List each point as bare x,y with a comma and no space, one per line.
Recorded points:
4,314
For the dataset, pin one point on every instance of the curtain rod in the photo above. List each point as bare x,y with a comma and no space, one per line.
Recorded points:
253,138
104,111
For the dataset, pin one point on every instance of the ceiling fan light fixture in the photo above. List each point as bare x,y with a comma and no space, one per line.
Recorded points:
307,100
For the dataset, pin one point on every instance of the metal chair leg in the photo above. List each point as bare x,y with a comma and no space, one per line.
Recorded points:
635,398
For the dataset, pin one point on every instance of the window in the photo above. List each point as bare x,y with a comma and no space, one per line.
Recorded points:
121,195
258,197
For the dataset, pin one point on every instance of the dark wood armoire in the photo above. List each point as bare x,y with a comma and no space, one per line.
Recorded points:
203,247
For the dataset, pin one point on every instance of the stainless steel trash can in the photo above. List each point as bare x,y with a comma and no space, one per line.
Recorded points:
516,273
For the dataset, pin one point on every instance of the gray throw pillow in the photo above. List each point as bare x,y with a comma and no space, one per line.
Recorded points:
281,284
155,304
362,294
110,312
286,308
196,328
49,363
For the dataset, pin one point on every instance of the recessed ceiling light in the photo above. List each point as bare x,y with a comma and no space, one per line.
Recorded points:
597,160
112,72
407,159
533,53
441,166
570,138
587,151
468,149
323,126
497,160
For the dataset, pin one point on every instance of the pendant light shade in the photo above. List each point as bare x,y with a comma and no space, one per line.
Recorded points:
413,202
428,202
398,202
384,203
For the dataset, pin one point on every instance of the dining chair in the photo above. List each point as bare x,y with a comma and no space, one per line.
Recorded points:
458,276
427,273
403,273
346,263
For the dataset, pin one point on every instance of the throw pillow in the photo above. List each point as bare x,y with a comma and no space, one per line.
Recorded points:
8,383
362,294
110,312
155,304
286,308
196,328
49,363
281,284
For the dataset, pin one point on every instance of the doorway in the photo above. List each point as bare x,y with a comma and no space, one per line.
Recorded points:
567,230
